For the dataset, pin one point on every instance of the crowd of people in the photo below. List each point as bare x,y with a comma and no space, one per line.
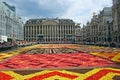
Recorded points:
14,44
5,45
24,43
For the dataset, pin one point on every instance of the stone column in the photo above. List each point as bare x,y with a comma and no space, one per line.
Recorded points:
50,32
47,33
55,36
60,32
28,33
25,32
65,32
36,33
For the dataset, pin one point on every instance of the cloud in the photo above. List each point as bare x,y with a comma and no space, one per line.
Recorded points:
78,10
81,11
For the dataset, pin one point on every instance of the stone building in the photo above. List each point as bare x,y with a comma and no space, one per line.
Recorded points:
87,33
78,35
105,24
98,30
94,29
116,22
90,31
10,24
52,30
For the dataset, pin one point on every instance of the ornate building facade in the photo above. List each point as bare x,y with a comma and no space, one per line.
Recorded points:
98,30
78,35
116,22
49,30
104,26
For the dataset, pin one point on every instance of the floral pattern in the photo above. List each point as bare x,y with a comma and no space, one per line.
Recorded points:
54,60
5,55
110,56
79,56
94,74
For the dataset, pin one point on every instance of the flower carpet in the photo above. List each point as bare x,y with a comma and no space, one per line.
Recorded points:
60,62
4,55
54,60
111,56
94,74
58,46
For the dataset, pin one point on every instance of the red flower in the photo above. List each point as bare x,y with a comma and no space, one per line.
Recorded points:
47,75
4,76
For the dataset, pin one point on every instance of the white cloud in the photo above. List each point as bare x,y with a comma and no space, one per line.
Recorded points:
79,10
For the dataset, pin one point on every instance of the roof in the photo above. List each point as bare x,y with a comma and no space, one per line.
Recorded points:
10,7
59,21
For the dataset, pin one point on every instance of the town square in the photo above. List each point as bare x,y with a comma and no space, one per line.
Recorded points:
59,39
60,62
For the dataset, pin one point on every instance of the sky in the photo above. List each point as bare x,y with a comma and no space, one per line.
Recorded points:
79,11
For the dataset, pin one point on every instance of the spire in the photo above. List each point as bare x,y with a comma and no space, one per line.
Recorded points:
94,16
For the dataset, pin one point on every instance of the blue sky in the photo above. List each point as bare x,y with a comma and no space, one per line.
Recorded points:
79,10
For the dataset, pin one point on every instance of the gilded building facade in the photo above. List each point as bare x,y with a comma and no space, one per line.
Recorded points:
98,30
90,31
104,28
94,29
78,35
49,30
